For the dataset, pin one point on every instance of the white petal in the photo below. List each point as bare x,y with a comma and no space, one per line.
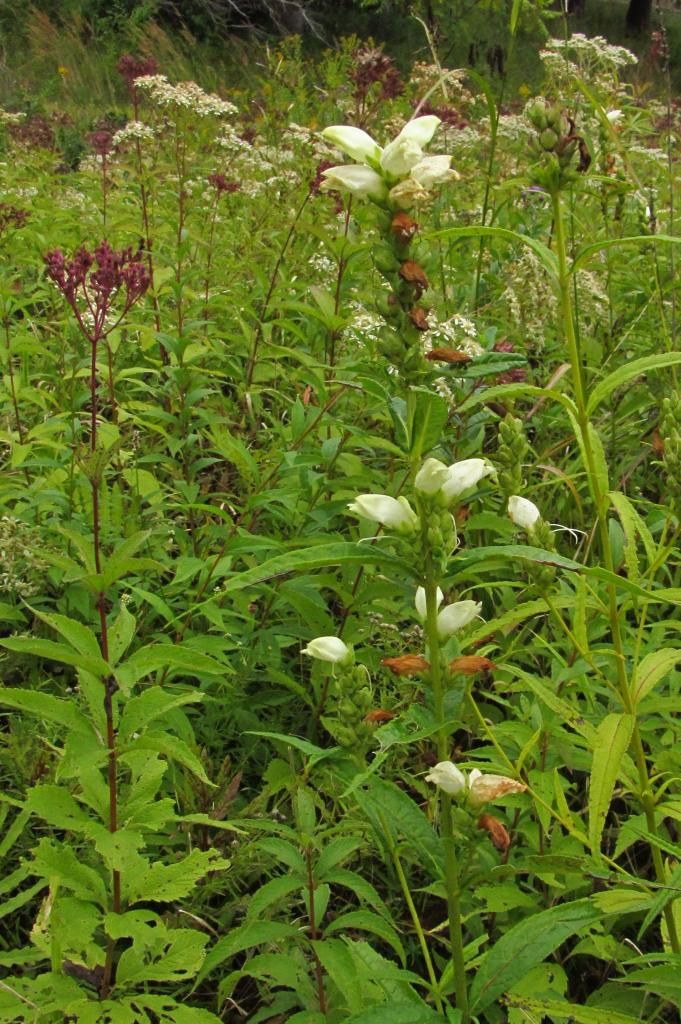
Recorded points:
523,512
461,476
407,194
361,181
421,129
433,170
456,616
356,143
328,648
484,788
399,156
381,508
420,602
431,476
448,777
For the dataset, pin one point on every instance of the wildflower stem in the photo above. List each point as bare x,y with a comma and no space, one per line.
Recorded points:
452,881
413,913
646,796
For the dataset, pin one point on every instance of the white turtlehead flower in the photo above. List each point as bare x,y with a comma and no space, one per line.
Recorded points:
448,777
483,789
433,170
329,648
461,476
479,789
420,602
430,477
614,117
395,513
361,181
382,169
400,155
523,512
356,143
455,616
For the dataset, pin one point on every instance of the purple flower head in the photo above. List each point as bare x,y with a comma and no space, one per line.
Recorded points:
131,68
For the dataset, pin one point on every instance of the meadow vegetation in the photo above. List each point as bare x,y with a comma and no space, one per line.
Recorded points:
340,502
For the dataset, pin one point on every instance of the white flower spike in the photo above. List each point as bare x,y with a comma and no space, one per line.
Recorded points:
523,512
329,648
395,513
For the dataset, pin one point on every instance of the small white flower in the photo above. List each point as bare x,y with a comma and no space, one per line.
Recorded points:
420,602
329,648
433,170
448,777
461,476
395,513
361,181
523,512
430,477
614,116
356,143
455,616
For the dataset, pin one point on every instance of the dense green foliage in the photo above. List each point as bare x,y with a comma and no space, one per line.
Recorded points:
206,359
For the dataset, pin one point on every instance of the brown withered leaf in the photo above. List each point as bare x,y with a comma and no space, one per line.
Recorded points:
307,394
419,318
404,227
227,797
379,716
406,664
447,355
470,664
496,831
414,273
658,443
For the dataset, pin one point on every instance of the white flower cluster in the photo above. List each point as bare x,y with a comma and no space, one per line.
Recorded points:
591,52
184,96
398,175
6,117
133,130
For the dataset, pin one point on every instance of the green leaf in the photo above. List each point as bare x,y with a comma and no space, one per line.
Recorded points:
273,891
526,944
246,936
612,742
47,707
334,853
171,656
611,243
153,703
396,1013
428,422
176,955
546,257
53,651
651,669
164,883
628,371
665,895
366,920
121,633
57,807
316,557
82,639
557,1010
57,863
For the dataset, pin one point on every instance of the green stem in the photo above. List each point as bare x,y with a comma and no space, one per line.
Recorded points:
646,796
413,913
452,878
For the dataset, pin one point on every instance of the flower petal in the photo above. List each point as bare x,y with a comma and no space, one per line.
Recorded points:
455,616
329,648
396,513
356,143
448,777
361,181
523,512
420,129
420,602
433,170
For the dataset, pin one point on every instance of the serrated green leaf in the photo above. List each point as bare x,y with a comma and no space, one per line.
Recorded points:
651,669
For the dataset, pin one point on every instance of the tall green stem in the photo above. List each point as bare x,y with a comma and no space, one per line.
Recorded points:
452,881
646,796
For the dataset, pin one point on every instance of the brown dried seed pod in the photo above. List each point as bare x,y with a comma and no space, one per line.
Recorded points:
447,355
496,831
407,664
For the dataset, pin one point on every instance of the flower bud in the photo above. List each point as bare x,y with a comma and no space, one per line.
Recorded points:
420,602
395,513
455,616
430,477
523,512
448,777
329,648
